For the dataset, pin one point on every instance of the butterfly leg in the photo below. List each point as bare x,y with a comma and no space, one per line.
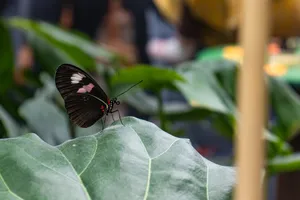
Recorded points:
119,115
112,116
103,123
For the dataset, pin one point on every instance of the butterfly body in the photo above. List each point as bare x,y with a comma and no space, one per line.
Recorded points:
85,101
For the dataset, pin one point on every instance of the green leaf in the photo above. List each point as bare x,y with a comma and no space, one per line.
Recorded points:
174,111
284,164
202,88
210,86
54,46
76,39
49,89
12,128
149,105
135,161
44,118
286,105
154,78
6,58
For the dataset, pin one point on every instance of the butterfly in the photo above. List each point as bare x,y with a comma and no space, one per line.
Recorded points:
85,101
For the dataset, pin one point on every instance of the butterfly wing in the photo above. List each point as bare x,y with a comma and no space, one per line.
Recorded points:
70,79
84,109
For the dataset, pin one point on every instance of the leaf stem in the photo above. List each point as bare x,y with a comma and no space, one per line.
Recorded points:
162,118
72,130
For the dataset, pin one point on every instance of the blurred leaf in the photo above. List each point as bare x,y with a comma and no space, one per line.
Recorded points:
6,58
54,46
44,118
12,128
226,77
32,78
174,111
138,160
225,124
183,112
286,105
154,78
210,86
285,102
202,89
49,89
284,164
142,102
9,104
78,40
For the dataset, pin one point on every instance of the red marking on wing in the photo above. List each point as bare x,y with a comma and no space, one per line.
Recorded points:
102,108
86,88
108,101
89,87
81,90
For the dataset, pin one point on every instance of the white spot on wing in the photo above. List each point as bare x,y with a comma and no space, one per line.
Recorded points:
76,78
74,82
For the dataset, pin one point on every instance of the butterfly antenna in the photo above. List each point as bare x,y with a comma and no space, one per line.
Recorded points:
129,88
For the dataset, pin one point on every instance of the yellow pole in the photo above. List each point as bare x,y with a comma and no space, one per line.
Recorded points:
251,100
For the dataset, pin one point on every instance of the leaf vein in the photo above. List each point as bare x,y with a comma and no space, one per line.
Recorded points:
38,161
166,149
81,183
94,154
150,162
148,179
149,166
8,189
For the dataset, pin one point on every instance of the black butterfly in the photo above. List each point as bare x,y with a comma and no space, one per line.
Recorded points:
84,99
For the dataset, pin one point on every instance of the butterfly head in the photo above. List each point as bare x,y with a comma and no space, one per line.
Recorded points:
114,101
111,104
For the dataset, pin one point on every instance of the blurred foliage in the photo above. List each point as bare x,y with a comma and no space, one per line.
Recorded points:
6,57
208,87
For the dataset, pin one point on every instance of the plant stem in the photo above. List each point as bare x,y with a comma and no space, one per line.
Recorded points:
72,130
161,113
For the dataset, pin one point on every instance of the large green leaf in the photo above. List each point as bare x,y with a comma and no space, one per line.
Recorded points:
6,59
135,161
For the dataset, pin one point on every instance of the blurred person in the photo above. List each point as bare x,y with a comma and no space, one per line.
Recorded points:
202,23
2,5
85,16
